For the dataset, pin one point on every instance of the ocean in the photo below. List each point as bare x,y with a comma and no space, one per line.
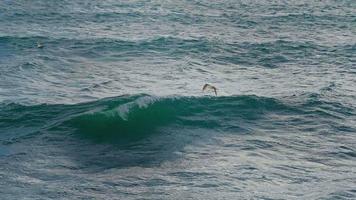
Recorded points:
104,100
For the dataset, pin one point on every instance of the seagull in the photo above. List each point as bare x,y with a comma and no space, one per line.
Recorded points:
208,86
39,45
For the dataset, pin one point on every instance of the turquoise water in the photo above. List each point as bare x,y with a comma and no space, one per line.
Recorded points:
112,106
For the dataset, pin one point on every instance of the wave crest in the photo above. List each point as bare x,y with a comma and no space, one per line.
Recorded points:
129,117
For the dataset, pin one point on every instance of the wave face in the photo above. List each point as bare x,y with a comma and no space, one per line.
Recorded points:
127,117
103,99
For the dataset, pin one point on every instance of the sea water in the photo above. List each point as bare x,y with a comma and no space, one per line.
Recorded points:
111,105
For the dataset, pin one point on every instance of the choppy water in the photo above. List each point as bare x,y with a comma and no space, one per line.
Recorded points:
111,107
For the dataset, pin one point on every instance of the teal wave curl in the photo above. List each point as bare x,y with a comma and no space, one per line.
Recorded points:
135,116
131,117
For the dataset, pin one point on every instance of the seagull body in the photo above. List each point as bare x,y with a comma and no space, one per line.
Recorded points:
39,45
208,86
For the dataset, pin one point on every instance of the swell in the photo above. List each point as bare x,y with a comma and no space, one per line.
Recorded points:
130,117
274,54
267,54
104,46
133,116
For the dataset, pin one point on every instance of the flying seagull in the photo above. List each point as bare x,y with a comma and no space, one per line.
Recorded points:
208,86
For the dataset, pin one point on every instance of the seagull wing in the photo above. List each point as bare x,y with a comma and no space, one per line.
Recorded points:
205,86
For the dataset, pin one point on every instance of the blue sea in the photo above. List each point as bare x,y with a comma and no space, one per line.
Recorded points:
103,99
